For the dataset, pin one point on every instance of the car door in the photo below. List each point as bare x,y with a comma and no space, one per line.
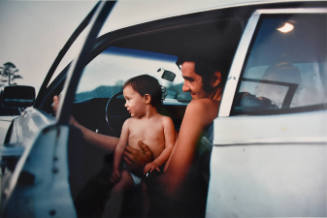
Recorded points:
35,167
269,155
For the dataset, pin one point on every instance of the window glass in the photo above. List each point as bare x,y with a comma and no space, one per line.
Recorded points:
105,75
285,69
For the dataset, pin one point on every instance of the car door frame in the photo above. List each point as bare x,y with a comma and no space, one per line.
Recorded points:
58,131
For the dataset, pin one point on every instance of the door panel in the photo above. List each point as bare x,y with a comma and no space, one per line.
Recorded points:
268,180
41,188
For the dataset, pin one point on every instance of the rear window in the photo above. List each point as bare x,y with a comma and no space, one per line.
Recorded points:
286,67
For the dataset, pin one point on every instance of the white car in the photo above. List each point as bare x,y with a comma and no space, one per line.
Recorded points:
4,125
269,151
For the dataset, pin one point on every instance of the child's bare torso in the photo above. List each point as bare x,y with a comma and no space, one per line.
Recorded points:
149,131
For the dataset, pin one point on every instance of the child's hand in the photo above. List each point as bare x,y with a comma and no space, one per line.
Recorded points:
115,176
149,167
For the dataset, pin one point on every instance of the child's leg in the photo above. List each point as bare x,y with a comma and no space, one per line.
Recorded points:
112,208
145,200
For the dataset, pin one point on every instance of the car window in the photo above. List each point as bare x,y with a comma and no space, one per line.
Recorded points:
286,67
105,75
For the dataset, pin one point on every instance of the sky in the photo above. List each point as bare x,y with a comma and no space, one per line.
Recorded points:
33,32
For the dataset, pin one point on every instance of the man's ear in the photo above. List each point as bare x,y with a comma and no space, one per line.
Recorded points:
147,98
217,79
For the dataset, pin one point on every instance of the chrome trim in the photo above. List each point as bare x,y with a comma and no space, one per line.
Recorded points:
237,65
292,11
273,141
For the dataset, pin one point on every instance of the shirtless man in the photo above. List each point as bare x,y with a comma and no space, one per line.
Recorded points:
182,189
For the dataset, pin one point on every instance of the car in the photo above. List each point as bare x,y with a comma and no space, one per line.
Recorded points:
268,156
8,111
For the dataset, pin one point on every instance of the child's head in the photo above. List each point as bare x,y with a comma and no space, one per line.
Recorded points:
146,85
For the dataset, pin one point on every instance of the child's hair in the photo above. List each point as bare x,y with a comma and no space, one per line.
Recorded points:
146,84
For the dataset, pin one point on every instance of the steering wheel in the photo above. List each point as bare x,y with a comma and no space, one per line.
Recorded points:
246,103
116,113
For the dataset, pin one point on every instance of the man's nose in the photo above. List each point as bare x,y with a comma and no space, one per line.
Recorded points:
185,87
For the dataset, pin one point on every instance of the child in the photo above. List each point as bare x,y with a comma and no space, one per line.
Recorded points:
143,96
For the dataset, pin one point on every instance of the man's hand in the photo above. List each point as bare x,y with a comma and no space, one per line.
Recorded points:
137,158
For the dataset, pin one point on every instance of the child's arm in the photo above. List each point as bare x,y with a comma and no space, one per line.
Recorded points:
104,141
119,150
170,137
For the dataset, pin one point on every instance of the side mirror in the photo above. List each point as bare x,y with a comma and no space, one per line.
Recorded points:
166,74
18,96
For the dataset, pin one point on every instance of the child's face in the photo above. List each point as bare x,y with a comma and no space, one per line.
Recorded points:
135,103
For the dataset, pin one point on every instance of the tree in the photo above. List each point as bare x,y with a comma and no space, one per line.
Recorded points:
8,74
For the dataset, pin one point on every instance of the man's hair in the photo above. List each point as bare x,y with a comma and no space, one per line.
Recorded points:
146,84
206,69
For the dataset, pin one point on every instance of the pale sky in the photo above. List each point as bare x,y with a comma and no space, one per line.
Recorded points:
33,32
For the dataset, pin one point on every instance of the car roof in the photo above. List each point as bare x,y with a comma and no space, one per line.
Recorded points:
128,13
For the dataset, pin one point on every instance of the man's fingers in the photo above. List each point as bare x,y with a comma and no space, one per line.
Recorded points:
130,150
145,149
142,146
128,161
128,158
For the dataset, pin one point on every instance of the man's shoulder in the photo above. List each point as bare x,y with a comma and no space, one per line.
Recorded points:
200,104
205,109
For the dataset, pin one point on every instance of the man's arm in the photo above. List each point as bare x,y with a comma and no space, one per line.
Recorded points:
183,153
